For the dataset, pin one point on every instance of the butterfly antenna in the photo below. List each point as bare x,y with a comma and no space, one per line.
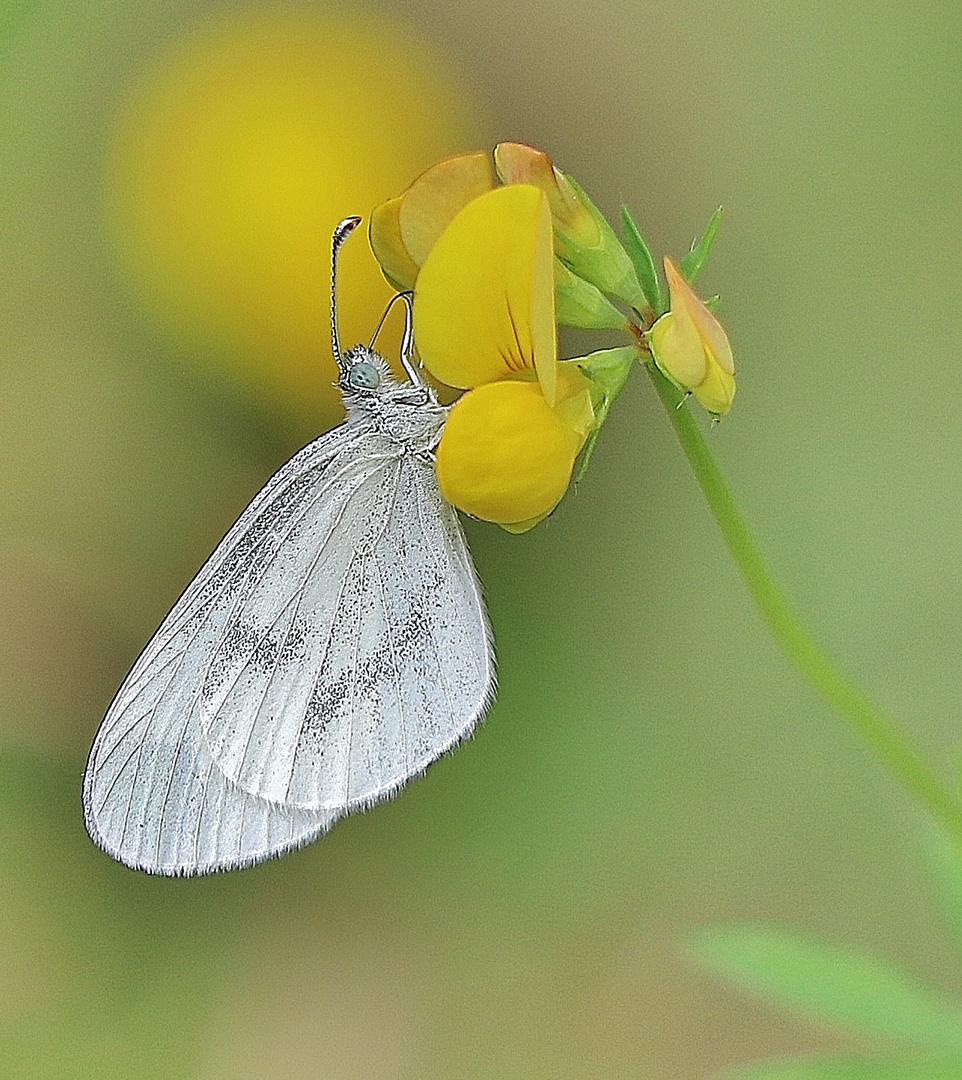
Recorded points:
341,233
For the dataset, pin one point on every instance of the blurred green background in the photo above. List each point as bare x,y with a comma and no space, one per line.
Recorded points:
169,173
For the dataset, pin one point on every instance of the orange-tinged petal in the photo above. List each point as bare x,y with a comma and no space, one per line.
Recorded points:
388,247
432,201
520,164
504,455
708,328
484,300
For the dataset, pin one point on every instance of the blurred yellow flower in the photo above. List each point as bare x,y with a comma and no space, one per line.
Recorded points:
236,155
690,346
484,321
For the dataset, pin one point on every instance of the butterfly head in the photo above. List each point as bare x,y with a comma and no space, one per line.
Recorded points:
363,370
364,376
364,373
366,381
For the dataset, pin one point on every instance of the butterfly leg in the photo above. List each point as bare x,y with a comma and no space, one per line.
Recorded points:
407,342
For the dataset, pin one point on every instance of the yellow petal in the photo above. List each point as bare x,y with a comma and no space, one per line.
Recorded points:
678,350
504,455
432,201
484,300
518,527
717,391
388,247
541,309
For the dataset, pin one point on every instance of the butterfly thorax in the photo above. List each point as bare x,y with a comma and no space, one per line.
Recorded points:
406,413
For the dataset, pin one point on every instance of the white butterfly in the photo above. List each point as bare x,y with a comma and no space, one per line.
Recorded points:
331,648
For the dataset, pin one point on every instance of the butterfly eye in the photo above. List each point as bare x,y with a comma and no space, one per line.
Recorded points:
363,376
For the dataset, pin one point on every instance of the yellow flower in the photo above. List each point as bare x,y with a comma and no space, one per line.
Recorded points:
404,230
484,321
690,346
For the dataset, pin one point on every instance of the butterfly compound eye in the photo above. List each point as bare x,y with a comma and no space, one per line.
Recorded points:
364,376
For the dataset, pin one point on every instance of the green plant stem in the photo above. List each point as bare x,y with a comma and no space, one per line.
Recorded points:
886,742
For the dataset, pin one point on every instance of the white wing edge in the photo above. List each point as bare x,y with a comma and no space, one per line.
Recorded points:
327,445
325,820
188,869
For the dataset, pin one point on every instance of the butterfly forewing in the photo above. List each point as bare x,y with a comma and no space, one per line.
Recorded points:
333,645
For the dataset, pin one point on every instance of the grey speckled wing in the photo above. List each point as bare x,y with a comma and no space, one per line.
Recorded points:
332,647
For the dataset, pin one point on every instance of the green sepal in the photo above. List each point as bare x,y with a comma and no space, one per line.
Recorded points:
605,264
852,991
695,259
640,255
608,370
580,304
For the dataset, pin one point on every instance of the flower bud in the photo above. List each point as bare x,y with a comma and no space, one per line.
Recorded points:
690,347
584,239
